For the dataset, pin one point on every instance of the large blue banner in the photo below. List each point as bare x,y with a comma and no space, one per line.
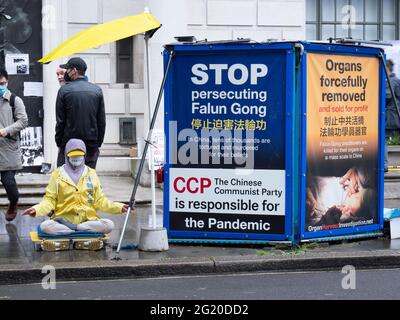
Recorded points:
226,123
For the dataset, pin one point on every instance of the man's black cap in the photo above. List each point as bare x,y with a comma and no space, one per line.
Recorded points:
77,63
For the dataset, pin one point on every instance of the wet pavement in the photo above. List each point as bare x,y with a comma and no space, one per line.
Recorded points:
16,247
369,285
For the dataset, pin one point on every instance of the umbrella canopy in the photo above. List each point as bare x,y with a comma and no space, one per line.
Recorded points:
103,33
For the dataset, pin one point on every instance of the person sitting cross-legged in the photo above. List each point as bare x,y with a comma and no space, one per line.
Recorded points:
74,194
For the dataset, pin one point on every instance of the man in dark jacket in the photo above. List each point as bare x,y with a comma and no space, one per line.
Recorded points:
80,112
392,115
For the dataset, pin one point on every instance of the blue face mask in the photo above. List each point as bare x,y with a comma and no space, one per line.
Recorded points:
3,90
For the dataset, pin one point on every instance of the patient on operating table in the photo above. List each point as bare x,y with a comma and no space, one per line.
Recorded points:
333,200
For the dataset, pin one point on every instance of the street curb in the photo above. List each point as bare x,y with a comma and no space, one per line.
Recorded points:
112,270
35,275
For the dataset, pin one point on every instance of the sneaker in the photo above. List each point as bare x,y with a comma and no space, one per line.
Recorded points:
11,212
48,245
92,245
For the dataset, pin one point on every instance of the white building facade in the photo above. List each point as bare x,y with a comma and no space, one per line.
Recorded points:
119,69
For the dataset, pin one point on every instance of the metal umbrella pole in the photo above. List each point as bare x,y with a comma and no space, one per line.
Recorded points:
146,147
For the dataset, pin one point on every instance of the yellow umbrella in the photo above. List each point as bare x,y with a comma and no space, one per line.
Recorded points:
103,33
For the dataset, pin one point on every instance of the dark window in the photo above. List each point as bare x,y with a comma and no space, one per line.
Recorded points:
372,19
125,60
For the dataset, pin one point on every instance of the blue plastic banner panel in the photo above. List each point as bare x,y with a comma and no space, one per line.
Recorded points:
342,140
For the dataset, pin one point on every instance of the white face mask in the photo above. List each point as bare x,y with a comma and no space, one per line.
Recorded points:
76,161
